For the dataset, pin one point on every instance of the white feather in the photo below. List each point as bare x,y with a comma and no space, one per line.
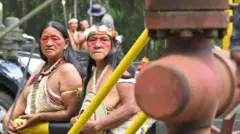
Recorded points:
119,38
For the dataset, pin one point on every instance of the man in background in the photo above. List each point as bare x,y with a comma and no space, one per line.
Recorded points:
84,25
100,16
76,38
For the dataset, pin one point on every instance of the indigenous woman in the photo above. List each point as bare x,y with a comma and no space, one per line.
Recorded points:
118,109
50,93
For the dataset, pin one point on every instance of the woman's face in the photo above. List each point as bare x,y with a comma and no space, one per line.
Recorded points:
99,46
52,43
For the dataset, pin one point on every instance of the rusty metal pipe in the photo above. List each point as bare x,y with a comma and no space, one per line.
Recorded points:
232,91
187,90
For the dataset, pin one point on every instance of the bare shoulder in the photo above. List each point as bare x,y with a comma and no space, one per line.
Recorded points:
70,78
67,68
69,73
125,83
125,90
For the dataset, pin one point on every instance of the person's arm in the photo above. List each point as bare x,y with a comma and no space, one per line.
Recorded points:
19,110
69,81
72,42
21,101
124,112
81,37
82,42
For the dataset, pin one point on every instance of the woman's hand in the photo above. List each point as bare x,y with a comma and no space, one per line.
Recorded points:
11,128
74,120
90,127
30,119
19,122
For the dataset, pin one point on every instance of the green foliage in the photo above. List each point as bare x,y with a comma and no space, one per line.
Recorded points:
218,42
128,16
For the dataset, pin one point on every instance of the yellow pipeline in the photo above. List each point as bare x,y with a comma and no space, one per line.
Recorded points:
112,80
39,128
226,39
138,122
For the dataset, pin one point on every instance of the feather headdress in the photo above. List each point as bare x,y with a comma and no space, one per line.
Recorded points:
103,30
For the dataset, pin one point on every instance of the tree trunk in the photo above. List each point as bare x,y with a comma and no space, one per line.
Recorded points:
53,11
24,12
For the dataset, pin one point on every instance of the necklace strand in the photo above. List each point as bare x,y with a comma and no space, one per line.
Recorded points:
95,85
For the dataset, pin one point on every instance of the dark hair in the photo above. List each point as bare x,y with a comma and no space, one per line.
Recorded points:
69,54
113,58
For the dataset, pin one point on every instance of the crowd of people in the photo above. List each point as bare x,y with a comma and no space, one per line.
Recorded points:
60,89
99,16
50,94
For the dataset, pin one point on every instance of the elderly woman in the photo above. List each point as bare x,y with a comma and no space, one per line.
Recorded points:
50,93
118,109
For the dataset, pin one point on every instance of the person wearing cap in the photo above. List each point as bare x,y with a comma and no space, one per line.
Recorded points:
76,38
100,16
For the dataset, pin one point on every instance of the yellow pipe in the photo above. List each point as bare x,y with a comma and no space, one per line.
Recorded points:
226,38
112,80
138,122
39,128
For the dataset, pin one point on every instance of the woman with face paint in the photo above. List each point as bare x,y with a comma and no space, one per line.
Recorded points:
118,109
50,93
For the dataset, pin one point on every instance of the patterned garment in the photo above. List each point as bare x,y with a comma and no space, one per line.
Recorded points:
43,99
46,100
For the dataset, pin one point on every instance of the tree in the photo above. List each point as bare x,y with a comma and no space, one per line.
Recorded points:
128,17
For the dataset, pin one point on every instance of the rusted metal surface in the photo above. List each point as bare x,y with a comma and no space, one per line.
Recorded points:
188,90
186,4
174,77
231,98
209,33
193,83
160,97
187,20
